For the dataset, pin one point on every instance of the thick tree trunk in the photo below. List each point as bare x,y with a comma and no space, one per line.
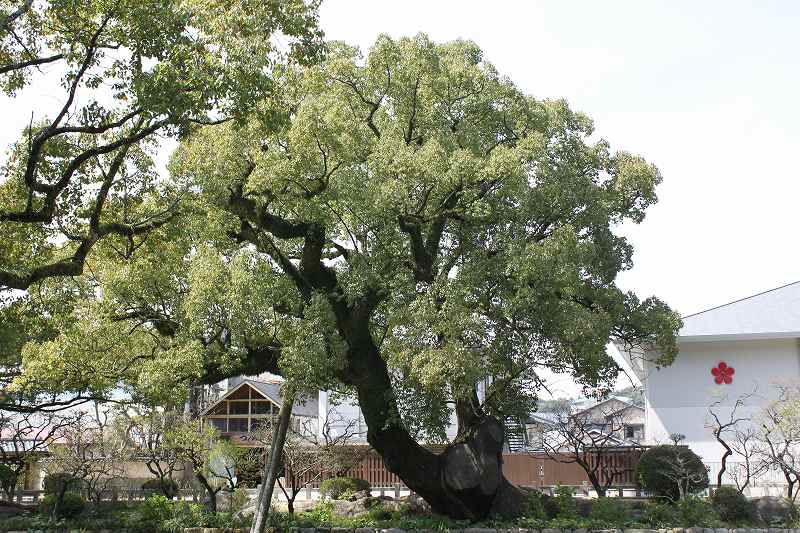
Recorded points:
466,481
272,465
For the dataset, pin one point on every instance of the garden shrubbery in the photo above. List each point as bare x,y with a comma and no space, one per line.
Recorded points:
660,515
7,478
696,512
56,483
167,487
663,469
731,505
71,505
609,511
342,487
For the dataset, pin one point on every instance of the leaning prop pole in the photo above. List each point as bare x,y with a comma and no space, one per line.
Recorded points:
273,464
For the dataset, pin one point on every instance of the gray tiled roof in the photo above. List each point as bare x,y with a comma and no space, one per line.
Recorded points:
774,312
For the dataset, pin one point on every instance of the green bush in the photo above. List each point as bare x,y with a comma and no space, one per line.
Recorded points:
658,471
533,506
156,507
184,515
696,512
608,510
71,505
564,500
660,515
7,478
731,505
167,487
337,487
151,514
55,483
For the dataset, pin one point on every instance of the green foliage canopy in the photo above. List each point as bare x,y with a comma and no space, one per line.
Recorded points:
417,191
130,70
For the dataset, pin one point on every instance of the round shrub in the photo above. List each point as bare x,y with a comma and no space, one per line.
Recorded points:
168,487
71,505
662,468
731,505
57,483
336,487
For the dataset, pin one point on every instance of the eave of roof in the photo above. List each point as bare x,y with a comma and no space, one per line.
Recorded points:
772,314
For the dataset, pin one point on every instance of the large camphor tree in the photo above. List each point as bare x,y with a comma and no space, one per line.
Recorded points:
409,227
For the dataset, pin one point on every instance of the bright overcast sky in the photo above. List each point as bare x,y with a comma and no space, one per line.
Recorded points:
708,91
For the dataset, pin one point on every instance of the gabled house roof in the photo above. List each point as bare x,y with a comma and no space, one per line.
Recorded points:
768,315
270,390
625,404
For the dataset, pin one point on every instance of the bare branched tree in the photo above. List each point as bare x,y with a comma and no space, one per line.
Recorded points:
724,424
87,450
24,438
747,444
310,455
589,439
145,429
780,436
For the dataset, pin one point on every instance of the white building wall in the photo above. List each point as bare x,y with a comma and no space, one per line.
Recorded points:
341,415
678,396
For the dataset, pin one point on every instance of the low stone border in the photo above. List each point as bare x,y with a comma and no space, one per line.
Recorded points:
483,530
467,530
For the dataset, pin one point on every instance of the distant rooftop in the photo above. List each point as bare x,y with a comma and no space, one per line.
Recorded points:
771,314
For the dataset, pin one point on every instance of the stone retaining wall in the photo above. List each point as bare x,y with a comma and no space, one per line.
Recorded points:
484,530
474,530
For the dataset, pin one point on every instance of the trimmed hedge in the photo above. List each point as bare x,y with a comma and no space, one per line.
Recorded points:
657,468
337,487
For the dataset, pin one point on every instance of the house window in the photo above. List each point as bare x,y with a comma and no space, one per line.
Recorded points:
221,424
237,425
239,408
630,432
259,407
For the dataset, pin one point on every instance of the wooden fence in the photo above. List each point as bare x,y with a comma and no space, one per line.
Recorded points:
617,468
523,469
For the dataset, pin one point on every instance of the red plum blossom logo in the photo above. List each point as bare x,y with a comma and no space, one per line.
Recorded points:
723,374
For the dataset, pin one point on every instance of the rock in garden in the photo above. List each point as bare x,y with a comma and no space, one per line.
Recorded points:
773,510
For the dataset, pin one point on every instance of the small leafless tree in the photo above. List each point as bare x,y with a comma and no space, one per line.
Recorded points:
725,426
747,444
310,455
87,450
144,428
24,438
589,439
780,436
